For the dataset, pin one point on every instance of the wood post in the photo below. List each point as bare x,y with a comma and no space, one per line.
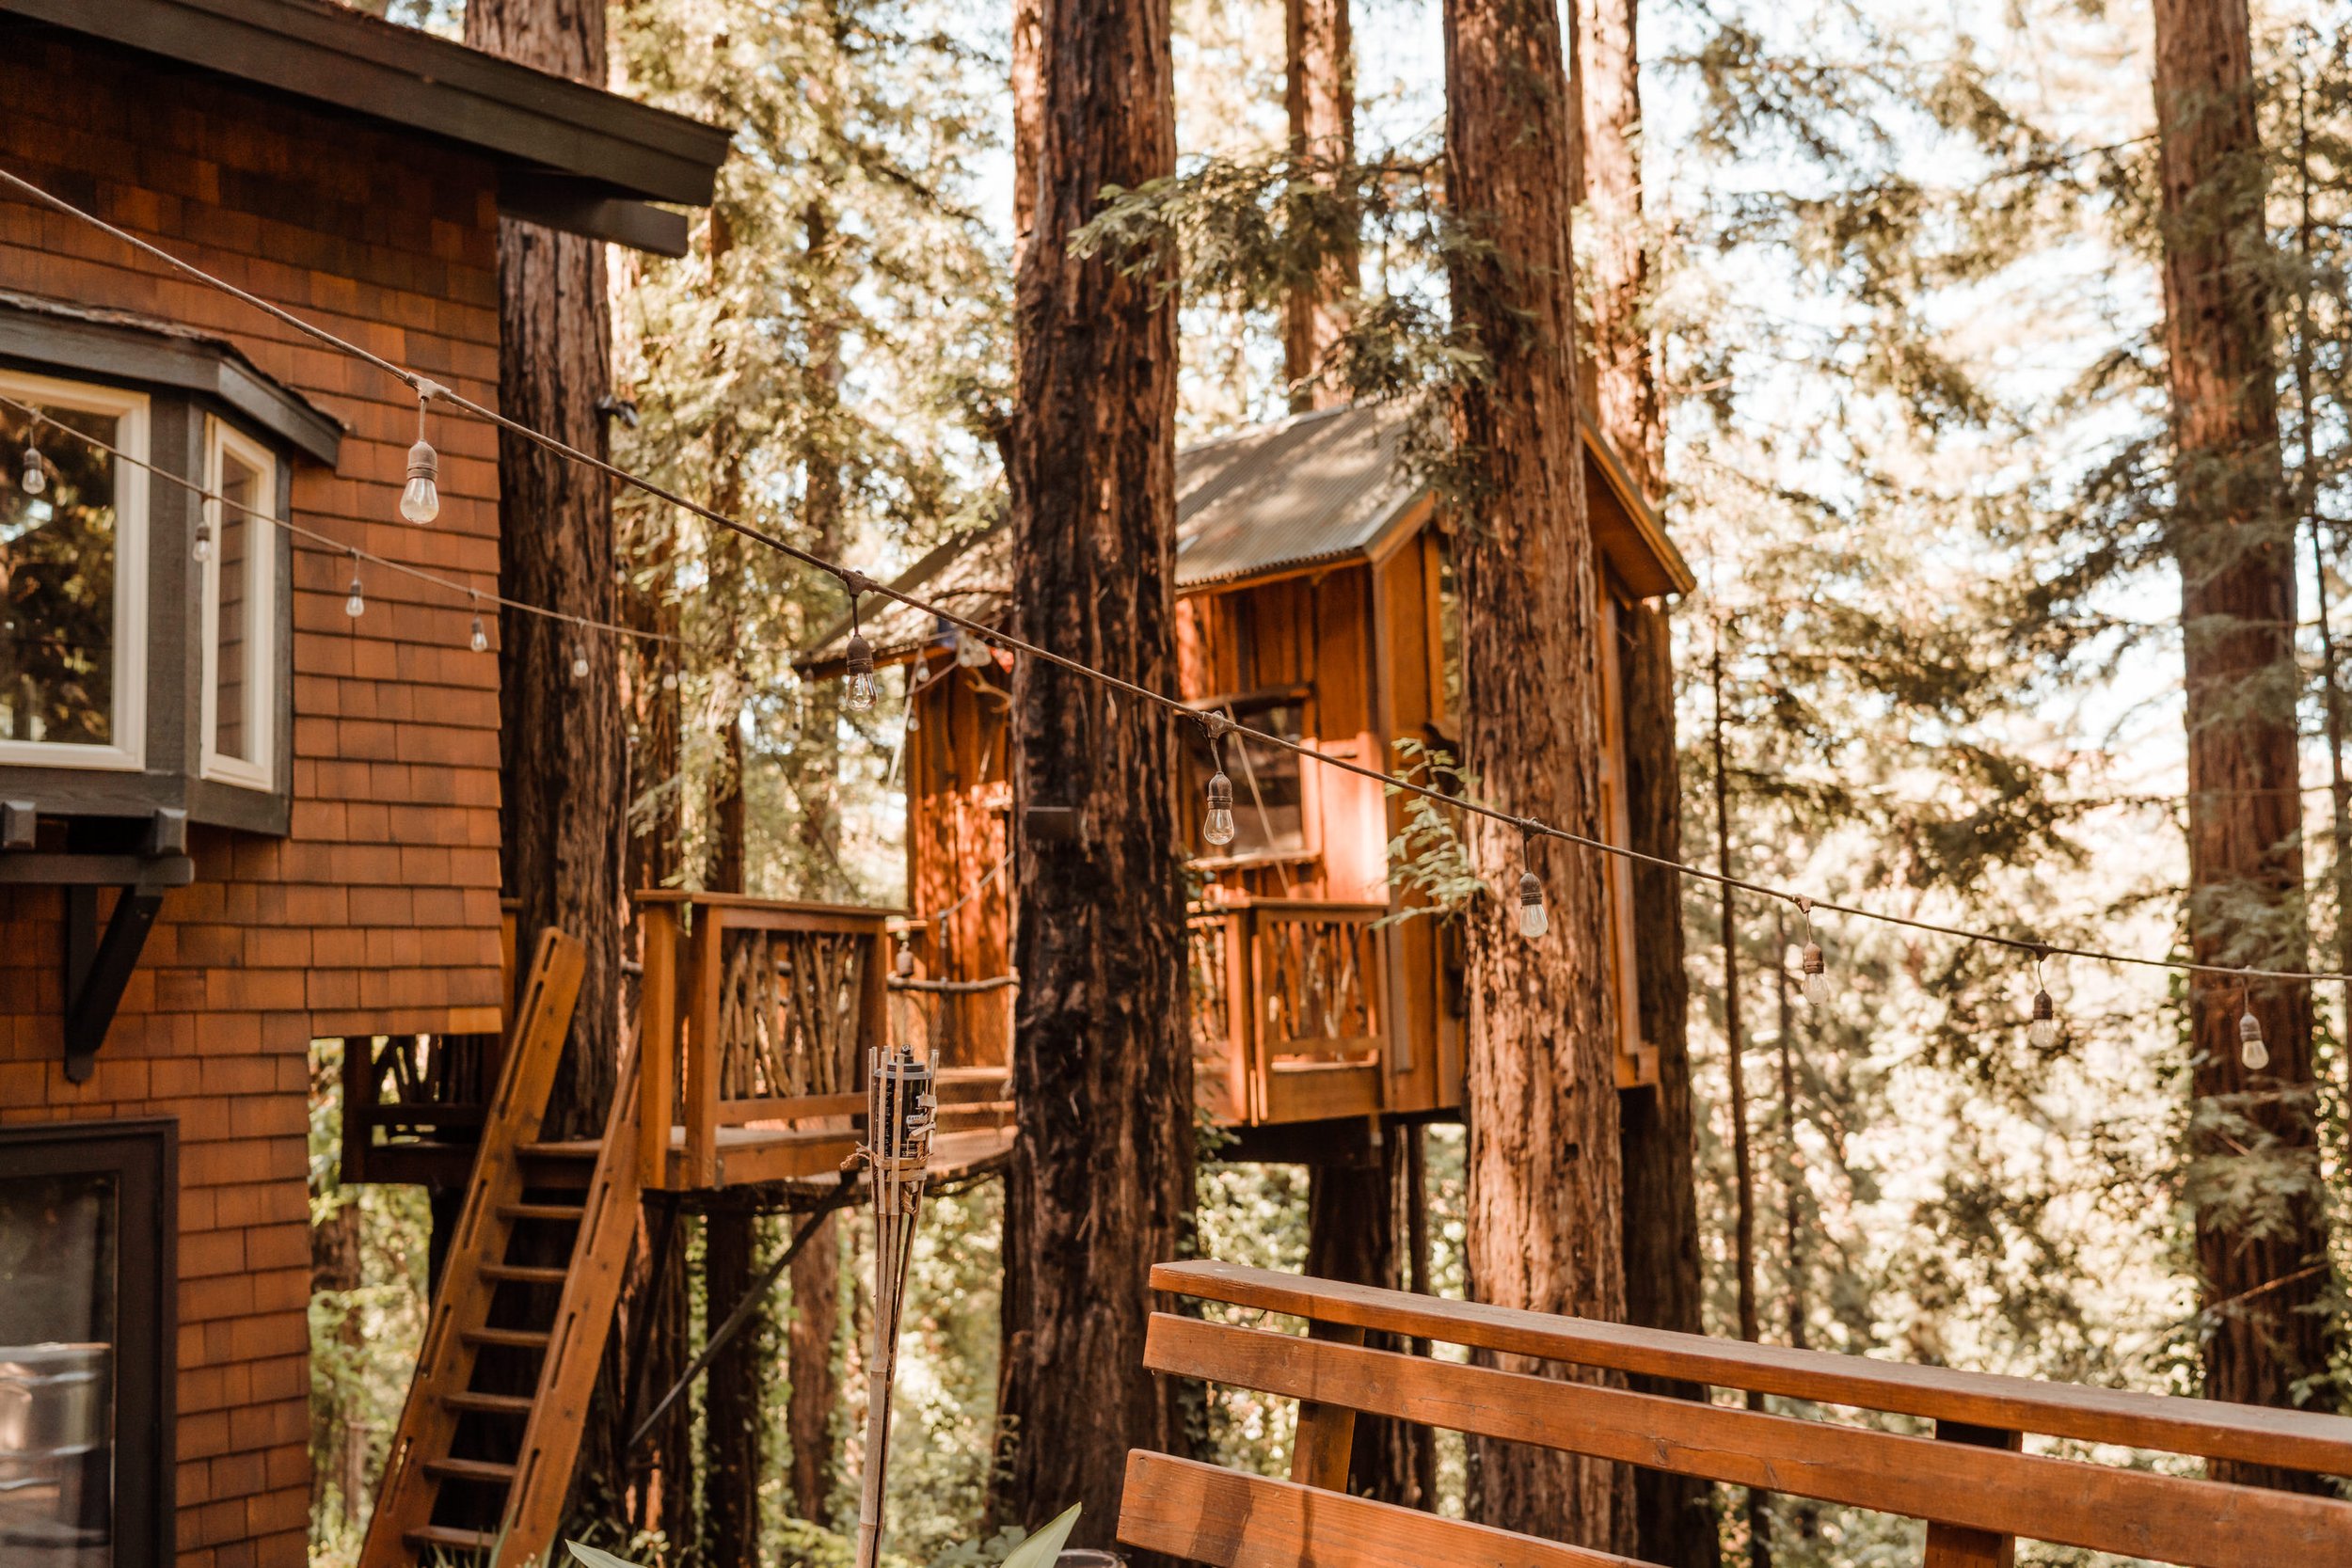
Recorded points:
701,1100
1327,1432
1956,1545
657,1044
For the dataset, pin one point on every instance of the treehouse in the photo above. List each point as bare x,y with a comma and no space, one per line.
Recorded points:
233,817
1316,602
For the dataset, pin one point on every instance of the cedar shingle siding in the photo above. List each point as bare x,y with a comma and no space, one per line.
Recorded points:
379,914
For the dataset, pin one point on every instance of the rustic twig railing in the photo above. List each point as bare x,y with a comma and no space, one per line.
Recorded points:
1969,1480
1288,1009
769,1007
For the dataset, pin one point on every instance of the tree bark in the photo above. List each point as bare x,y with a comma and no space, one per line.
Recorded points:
562,743
1355,1209
815,1388
1674,1526
2233,542
1101,1180
1545,1209
732,1417
1319,93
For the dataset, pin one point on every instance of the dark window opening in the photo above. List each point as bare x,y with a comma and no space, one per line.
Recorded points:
1269,796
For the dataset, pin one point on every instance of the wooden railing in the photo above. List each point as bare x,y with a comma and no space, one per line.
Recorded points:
1960,1469
1289,1009
767,1009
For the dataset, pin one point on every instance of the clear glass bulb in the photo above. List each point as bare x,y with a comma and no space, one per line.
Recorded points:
203,541
356,605
479,637
1534,921
1217,826
2042,1033
420,498
857,694
580,664
35,477
1817,988
970,653
2250,1049
669,680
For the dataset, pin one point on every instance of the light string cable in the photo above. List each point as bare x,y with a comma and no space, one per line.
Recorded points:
328,542
855,583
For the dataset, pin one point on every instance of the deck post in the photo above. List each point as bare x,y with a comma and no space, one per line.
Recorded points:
1327,1432
656,1044
1241,1015
703,1047
1955,1545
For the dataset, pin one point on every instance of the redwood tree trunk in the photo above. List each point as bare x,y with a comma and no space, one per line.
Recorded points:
564,772
1101,1176
1320,94
815,1389
732,1417
1355,1211
1542,1099
2233,541
1673,1524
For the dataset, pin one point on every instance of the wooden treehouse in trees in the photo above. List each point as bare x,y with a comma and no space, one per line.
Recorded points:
1317,603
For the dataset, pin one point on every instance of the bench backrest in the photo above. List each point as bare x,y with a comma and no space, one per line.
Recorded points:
1969,1480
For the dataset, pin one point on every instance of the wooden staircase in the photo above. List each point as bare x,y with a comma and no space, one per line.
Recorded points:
466,1437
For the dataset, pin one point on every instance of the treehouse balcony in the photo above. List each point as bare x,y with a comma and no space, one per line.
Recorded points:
1290,1011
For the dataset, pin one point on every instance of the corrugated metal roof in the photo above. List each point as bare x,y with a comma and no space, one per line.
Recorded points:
1313,487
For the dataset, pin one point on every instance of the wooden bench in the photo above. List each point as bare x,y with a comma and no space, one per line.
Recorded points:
1969,1480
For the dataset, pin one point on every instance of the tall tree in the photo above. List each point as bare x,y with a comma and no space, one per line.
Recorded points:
1319,93
1661,1226
2262,1267
564,773
1101,1176
1544,1179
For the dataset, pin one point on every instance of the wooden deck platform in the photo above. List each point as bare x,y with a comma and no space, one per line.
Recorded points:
753,1154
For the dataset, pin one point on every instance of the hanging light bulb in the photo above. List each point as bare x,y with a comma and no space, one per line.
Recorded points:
579,662
420,498
1534,921
2042,1033
2250,1049
356,604
203,539
971,652
35,477
1816,968
1217,826
858,694
479,637
669,680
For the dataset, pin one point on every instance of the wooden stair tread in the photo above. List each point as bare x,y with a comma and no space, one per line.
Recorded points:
566,1149
539,1210
470,1469
451,1538
523,1273
509,1338
488,1404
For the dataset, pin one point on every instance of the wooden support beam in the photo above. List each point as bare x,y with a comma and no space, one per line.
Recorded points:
1957,1545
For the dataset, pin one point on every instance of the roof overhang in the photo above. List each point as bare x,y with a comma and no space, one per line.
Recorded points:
569,155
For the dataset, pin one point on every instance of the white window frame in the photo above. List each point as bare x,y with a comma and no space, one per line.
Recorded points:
128,754
222,441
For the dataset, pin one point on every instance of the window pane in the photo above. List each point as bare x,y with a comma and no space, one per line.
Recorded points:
58,550
57,1273
1269,803
234,731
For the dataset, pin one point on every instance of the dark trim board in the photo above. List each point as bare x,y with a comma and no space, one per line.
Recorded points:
624,153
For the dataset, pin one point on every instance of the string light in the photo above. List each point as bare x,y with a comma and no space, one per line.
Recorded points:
1815,966
356,604
669,680
972,652
2042,1033
1533,919
35,478
1217,824
580,661
203,547
1817,986
857,694
2251,1051
420,498
480,635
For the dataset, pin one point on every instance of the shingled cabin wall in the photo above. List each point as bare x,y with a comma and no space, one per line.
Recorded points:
380,912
